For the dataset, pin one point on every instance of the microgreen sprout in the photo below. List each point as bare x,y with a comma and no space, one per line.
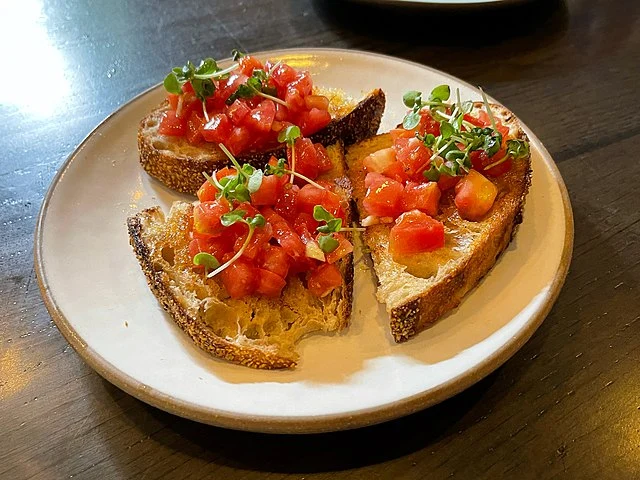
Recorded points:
289,135
239,187
515,149
231,218
436,102
256,84
330,226
208,261
281,169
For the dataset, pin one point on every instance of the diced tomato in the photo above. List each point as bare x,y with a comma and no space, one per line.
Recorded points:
217,129
380,161
282,113
316,101
207,192
310,196
475,195
173,99
384,196
269,284
284,234
445,182
194,124
187,88
414,156
230,85
237,112
275,259
172,125
480,161
217,246
269,191
206,217
239,140
261,235
324,279
344,249
475,121
397,133
225,172
302,83
396,172
305,221
415,232
261,117
322,156
421,196
239,278
283,75
483,117
428,124
306,159
313,120
286,204
248,64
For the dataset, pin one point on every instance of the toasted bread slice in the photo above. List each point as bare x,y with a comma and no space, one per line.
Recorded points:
255,331
179,165
423,288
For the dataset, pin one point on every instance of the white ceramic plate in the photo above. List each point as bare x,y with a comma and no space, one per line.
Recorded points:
96,292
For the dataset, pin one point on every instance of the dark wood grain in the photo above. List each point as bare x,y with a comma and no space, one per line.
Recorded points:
565,406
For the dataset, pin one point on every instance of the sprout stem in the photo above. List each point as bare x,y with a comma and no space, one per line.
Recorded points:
236,256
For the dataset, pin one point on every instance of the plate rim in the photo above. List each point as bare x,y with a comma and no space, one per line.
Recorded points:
315,423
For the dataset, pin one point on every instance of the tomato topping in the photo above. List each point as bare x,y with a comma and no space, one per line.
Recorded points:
324,279
313,120
384,196
270,189
323,159
269,284
344,248
248,64
445,182
283,75
217,129
194,124
475,195
172,125
286,205
316,101
428,124
306,159
261,117
239,278
207,192
237,112
480,161
274,259
380,161
421,196
305,222
415,232
310,196
414,156
261,236
284,234
239,140
206,217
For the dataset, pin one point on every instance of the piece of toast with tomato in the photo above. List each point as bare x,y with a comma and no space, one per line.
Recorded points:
257,310
419,286
245,109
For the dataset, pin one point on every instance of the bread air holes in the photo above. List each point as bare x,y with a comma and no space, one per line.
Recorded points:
160,145
151,123
169,255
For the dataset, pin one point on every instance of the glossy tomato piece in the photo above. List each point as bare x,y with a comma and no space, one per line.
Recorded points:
322,156
194,124
344,248
305,222
445,182
324,279
260,237
421,196
286,204
380,161
217,129
475,195
172,125
397,133
480,161
228,86
237,112
239,140
270,189
283,75
428,124
207,192
261,117
217,246
415,232
313,120
275,259
285,235
226,172
474,120
414,156
316,101
310,196
384,196
396,172
206,217
249,63
239,278
269,284
173,99
306,161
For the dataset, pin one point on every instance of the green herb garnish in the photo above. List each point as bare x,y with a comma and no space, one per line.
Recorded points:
257,84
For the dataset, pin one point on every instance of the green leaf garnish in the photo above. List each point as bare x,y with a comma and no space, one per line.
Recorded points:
441,93
321,214
327,243
255,180
232,217
201,77
411,120
172,84
331,225
411,98
237,54
256,84
289,135
207,260
518,148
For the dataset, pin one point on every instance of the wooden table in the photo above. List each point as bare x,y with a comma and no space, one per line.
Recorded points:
565,406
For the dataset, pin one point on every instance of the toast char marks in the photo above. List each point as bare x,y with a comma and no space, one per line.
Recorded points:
426,286
179,165
254,331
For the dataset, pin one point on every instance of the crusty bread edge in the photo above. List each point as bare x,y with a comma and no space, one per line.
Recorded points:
417,314
201,335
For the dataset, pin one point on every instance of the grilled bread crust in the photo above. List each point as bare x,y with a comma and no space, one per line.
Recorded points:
254,331
426,286
179,165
